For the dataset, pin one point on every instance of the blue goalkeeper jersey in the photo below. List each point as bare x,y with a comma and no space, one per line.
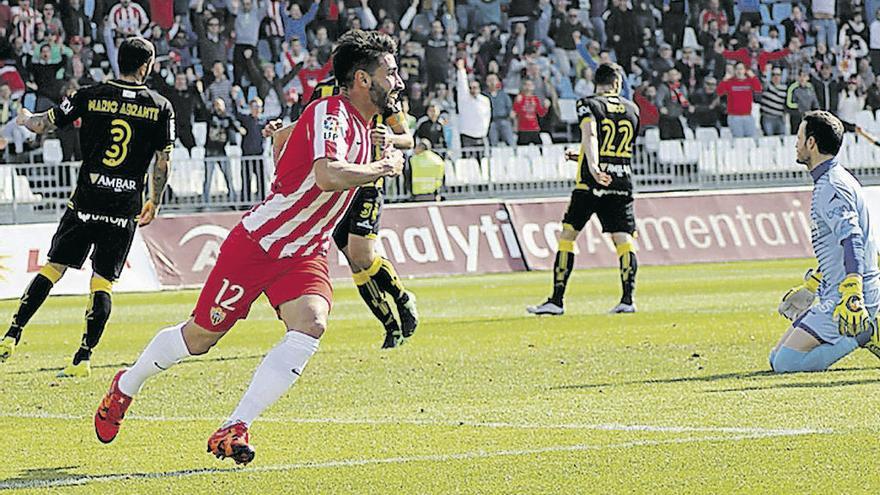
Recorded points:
839,212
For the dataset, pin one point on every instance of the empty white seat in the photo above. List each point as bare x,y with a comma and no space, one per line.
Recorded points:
670,152
52,151
200,132
691,150
568,111
725,133
865,120
706,134
198,153
652,139
451,178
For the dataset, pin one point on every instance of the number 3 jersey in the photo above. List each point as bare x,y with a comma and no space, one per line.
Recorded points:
617,124
123,125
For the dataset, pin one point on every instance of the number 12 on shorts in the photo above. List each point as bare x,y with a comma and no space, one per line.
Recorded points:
234,293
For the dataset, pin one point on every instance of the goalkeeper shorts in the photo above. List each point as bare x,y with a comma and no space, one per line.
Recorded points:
818,321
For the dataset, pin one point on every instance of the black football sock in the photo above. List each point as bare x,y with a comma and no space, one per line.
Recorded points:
375,299
388,281
97,314
34,297
629,265
562,268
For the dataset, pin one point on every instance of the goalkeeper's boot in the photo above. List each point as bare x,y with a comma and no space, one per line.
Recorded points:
81,370
623,308
547,308
111,411
7,348
393,338
409,314
232,441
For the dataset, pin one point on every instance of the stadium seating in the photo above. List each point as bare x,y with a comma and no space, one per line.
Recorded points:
200,132
781,12
52,152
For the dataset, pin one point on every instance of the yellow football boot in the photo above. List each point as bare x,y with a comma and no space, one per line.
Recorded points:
7,348
81,370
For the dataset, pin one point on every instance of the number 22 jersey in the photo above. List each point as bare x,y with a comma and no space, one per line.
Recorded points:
123,125
617,125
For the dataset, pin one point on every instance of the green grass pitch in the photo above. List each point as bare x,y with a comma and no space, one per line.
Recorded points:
485,399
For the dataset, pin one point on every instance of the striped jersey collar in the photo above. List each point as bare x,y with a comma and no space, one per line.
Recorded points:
823,167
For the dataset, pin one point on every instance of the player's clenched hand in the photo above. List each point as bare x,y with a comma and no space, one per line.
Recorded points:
272,127
601,177
381,136
148,213
851,316
23,115
799,299
392,162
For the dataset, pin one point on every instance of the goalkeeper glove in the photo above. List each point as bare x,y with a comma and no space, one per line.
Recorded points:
851,315
799,299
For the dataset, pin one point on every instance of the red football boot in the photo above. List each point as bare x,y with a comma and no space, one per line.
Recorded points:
232,441
111,411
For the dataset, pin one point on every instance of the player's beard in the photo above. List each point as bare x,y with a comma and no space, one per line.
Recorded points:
384,99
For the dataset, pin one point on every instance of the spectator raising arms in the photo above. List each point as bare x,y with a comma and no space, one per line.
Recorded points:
740,92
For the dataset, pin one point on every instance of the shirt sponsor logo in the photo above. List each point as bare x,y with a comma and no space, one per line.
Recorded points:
118,184
92,217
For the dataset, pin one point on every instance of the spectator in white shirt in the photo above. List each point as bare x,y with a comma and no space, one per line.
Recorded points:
474,109
851,102
874,43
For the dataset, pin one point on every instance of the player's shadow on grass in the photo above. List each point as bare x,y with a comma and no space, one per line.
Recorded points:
797,385
742,375
30,478
120,365
58,477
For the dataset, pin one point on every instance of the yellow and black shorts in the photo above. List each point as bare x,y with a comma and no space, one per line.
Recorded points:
615,211
108,239
362,217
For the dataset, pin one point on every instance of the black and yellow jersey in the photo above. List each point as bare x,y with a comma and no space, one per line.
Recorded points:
393,119
617,125
123,125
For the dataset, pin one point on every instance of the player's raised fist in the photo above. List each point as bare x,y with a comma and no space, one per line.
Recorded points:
23,115
381,135
392,160
272,127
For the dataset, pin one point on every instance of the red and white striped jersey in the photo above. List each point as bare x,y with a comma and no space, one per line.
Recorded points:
131,20
26,21
298,218
275,24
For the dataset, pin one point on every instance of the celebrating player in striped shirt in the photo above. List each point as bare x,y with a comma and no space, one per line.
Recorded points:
847,281
280,246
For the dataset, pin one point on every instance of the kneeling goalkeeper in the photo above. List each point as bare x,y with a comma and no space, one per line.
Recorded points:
846,281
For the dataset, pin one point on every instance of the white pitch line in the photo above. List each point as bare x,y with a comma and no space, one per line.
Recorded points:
74,480
472,424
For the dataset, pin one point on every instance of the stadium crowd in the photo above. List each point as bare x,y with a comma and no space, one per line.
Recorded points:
477,71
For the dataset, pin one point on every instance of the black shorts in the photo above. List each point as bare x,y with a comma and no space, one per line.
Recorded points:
615,211
362,217
78,232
